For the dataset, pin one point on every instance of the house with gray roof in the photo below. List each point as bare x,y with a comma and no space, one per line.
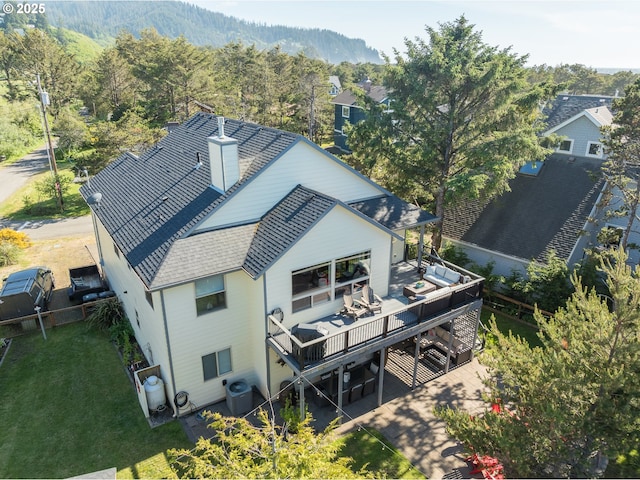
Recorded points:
347,110
578,120
227,237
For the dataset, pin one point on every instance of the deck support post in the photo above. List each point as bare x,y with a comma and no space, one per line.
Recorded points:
420,246
383,360
415,360
340,388
449,347
301,397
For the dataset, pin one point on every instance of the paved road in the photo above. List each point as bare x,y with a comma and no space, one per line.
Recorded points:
15,176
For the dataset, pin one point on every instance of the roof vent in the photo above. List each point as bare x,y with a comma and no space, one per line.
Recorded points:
198,162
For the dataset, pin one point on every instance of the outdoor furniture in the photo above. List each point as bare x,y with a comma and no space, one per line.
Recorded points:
370,300
353,308
420,288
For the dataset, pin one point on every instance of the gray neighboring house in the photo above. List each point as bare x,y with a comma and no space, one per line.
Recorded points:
578,119
552,204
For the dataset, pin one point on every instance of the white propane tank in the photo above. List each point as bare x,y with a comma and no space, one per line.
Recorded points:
154,388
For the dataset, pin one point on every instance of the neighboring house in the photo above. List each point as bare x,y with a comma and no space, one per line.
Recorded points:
227,237
542,212
335,87
578,119
348,111
551,205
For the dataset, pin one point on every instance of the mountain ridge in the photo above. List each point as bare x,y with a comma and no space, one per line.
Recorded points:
102,20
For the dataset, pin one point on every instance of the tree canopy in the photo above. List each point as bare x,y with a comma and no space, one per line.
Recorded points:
242,450
462,119
622,168
559,410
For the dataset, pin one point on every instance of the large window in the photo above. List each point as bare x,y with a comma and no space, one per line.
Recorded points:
210,294
216,364
311,286
328,281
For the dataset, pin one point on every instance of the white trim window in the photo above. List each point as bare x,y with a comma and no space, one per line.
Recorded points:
566,146
210,294
346,111
216,364
594,149
311,286
329,281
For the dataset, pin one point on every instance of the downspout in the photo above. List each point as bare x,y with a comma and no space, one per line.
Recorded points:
166,334
266,334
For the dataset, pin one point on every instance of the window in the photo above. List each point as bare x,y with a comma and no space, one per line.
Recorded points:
210,294
115,249
352,273
311,286
328,281
216,364
346,112
594,149
566,146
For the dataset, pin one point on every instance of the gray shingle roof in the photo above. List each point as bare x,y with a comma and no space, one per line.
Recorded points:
539,214
284,225
346,97
393,213
150,202
565,107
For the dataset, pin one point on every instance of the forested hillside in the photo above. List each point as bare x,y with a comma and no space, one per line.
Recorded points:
103,21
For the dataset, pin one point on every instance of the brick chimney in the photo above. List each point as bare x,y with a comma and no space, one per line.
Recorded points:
223,155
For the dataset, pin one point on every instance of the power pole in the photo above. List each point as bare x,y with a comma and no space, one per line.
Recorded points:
44,101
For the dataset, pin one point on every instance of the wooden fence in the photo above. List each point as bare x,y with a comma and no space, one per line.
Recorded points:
51,318
510,308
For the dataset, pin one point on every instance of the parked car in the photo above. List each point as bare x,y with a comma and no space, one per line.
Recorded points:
24,290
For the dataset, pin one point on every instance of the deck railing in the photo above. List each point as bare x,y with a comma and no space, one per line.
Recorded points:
367,331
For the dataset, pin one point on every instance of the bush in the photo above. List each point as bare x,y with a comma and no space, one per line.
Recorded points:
9,253
19,239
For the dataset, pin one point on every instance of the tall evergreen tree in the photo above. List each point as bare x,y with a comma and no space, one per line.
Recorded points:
622,168
462,119
559,410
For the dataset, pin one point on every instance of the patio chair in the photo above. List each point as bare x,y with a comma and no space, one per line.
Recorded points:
353,308
371,301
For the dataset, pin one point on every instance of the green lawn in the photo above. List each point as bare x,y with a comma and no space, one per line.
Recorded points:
371,450
520,329
68,408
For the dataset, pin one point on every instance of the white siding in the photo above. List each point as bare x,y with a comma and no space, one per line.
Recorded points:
301,165
239,326
581,131
149,326
337,235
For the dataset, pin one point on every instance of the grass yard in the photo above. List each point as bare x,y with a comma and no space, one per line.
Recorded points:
520,329
366,449
68,408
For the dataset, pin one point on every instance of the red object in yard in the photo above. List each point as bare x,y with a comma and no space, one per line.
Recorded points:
489,467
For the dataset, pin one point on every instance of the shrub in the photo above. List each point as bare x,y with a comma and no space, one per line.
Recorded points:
9,253
19,239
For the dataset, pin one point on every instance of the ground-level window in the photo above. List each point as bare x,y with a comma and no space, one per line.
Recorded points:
328,281
216,364
210,294
566,146
346,111
594,149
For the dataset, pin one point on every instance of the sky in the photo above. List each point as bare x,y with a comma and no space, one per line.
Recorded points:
597,34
